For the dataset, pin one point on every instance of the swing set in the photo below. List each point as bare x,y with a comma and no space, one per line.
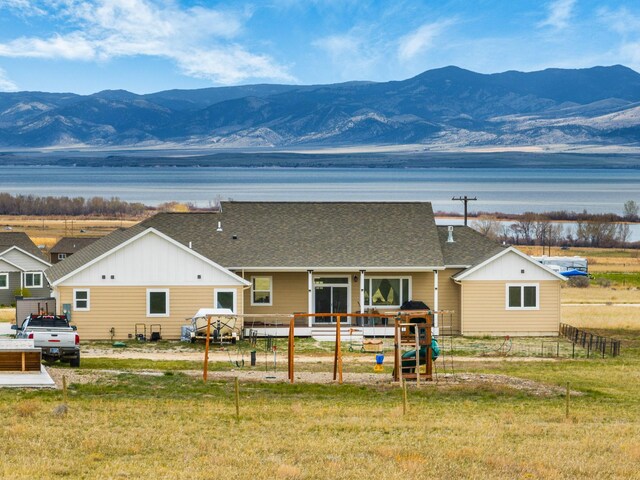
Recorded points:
414,347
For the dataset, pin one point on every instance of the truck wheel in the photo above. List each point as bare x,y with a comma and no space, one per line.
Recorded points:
75,362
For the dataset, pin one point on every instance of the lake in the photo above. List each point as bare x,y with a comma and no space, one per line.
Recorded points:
505,190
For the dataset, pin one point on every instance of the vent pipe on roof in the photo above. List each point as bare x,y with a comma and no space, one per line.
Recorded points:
219,229
450,238
189,244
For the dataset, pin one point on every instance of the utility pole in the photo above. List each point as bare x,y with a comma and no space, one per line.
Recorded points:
466,200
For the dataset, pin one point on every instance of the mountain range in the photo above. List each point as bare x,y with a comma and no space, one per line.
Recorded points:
449,107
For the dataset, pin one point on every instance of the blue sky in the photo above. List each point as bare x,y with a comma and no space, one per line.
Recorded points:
85,46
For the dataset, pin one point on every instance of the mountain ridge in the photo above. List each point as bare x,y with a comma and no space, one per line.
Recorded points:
444,106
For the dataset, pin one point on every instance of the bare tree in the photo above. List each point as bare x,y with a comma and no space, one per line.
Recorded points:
631,210
487,226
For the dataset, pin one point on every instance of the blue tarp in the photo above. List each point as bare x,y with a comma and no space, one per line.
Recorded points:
574,273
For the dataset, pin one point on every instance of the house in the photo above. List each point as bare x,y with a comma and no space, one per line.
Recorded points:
265,258
67,246
22,268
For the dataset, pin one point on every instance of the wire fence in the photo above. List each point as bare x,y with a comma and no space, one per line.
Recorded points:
594,344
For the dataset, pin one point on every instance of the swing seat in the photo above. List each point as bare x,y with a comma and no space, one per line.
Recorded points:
373,345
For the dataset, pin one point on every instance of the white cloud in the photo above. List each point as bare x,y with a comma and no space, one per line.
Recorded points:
70,47
6,85
559,14
202,41
421,39
621,21
355,53
627,25
25,7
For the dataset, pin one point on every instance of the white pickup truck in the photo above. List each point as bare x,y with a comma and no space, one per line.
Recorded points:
52,333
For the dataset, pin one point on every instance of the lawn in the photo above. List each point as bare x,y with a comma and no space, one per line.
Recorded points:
173,425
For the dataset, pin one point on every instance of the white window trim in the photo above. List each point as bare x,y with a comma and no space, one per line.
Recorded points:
262,304
522,285
62,256
168,302
387,277
223,290
88,300
33,273
6,276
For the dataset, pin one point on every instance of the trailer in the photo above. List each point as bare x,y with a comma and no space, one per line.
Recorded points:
564,264
225,327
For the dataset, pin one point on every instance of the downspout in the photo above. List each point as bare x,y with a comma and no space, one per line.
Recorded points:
361,291
310,295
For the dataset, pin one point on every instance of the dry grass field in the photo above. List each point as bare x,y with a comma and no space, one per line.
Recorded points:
7,314
598,294
48,230
155,420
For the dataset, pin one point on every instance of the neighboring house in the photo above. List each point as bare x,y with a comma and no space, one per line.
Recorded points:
316,257
67,246
22,268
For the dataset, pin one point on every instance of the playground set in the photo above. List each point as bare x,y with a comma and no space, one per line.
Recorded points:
414,350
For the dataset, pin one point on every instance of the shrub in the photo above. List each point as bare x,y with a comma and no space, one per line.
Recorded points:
22,292
579,282
26,408
603,282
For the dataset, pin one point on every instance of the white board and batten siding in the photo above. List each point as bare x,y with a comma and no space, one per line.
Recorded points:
512,267
150,261
484,298
24,261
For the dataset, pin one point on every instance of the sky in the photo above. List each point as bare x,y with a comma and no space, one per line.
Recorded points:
144,46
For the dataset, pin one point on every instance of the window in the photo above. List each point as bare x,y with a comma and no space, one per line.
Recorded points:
4,281
62,256
225,298
81,300
261,291
522,297
33,280
158,303
386,292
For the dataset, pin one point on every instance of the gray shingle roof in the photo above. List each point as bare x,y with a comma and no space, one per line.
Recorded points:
307,235
72,244
20,240
469,247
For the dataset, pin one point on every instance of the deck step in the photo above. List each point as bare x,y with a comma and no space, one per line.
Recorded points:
328,334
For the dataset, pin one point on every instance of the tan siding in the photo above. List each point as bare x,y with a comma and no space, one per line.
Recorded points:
449,299
484,307
289,293
123,307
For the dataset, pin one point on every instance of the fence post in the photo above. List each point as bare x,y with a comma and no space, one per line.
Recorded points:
237,395
404,396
